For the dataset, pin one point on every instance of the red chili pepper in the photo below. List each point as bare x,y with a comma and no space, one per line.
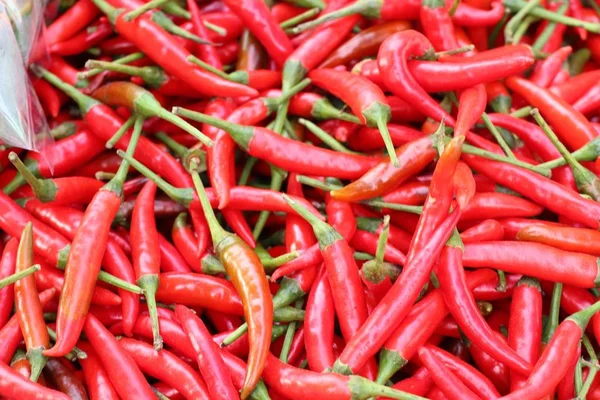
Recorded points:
542,191
364,44
381,179
209,360
206,53
366,100
247,273
7,268
66,220
286,153
545,72
457,73
566,238
472,103
525,325
85,257
63,377
104,123
487,230
411,335
575,87
96,378
160,47
534,259
444,378
122,370
498,205
76,18
437,25
14,385
396,303
419,383
549,371
188,245
166,367
589,102
49,97
11,334
570,125
469,376
301,384
319,324
463,308
67,190
29,308
367,242
86,39
259,20
313,105
146,252
392,60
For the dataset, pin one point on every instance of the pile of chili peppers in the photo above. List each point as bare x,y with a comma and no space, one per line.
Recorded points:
307,199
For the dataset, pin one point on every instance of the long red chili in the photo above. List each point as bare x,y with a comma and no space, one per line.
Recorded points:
7,268
536,260
28,307
208,356
248,276
462,306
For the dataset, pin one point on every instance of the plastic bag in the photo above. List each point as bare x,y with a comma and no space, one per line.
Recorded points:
22,120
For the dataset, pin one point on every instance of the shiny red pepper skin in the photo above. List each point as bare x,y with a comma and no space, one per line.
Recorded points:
14,385
72,21
437,25
319,325
542,191
66,220
392,60
463,308
570,125
525,325
167,367
487,230
125,375
196,290
96,378
536,260
472,103
257,17
384,177
210,362
7,267
90,37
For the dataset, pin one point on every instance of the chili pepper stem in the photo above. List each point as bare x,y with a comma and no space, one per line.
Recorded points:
325,137
9,280
37,361
362,388
240,134
102,64
121,132
133,14
589,152
324,232
390,362
586,180
180,195
84,102
308,14
582,318
196,61
468,149
165,22
42,188
14,184
368,8
541,12
186,126
149,283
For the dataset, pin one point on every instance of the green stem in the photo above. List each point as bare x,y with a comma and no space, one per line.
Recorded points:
522,112
312,182
522,29
247,170
541,12
186,126
325,137
549,30
9,280
149,283
394,206
496,31
216,230
515,21
468,149
306,15
121,132
196,61
152,4
553,316
490,126
123,60
215,28
289,337
278,261
165,22
181,195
